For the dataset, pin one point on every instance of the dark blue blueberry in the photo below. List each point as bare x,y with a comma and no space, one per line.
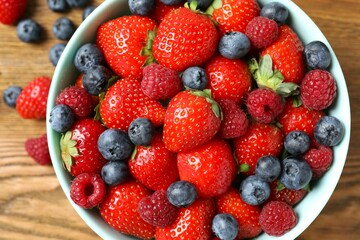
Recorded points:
115,145
115,172
234,45
29,31
11,94
63,28
295,173
297,142
225,226
254,190
194,78
181,193
317,55
88,56
268,168
141,7
61,118
329,131
87,11
171,2
275,11
95,81
141,131
77,3
58,5
55,52
202,4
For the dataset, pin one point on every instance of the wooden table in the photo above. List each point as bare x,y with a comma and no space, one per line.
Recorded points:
32,204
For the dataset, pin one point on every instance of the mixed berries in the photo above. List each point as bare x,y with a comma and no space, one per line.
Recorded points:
211,120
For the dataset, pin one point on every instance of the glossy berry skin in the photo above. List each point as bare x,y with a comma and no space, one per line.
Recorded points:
297,142
141,131
55,52
142,7
234,45
87,190
194,78
254,190
329,131
37,148
275,11
283,194
77,3
268,168
225,226
317,55
61,118
181,193
29,31
262,32
88,56
57,5
87,10
95,80
11,10
11,94
115,172
63,28
296,173
319,159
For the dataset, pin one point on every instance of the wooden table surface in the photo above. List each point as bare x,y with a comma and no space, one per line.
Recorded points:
32,204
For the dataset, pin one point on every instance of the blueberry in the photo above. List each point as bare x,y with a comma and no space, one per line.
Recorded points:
63,28
11,94
88,56
329,131
115,172
317,55
61,118
87,11
58,5
254,190
181,193
296,172
268,168
115,145
171,2
225,226
77,3
29,31
195,78
141,131
234,45
275,11
95,80
55,52
141,7
202,4
297,142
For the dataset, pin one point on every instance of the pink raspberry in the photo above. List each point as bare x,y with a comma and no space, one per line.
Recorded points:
37,148
319,158
262,32
318,89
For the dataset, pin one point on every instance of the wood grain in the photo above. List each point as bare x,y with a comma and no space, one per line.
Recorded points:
32,204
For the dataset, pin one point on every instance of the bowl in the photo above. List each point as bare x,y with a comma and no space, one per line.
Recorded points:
308,209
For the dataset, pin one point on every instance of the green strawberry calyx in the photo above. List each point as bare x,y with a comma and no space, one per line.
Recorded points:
147,50
68,150
216,4
206,93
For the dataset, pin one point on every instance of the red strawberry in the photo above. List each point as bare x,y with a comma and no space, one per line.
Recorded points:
161,10
280,193
79,149
122,40
234,15
246,215
154,165
178,49
259,140
228,79
119,210
37,148
287,55
262,32
125,101
320,159
31,102
193,222
210,167
11,10
191,119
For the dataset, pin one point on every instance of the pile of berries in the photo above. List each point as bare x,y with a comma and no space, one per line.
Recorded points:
210,120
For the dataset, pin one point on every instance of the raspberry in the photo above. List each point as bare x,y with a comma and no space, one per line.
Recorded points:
37,148
157,210
319,159
264,105
235,121
318,89
160,82
88,190
277,218
262,32
78,99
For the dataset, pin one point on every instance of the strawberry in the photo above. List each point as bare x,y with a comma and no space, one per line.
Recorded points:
161,10
37,149
178,49
278,192
259,140
191,119
287,55
122,40
154,165
119,209
79,149
210,167
228,79
31,103
125,101
11,10
193,222
246,215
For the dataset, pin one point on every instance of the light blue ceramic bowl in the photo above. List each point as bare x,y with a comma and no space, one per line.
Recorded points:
307,210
